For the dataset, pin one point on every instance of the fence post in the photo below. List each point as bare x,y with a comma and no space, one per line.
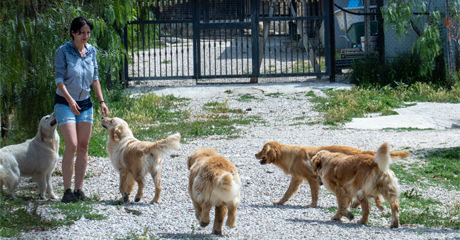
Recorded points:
255,41
330,38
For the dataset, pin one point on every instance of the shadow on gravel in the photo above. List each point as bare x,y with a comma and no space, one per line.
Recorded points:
188,236
346,224
281,206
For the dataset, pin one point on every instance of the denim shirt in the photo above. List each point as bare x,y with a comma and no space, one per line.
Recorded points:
76,72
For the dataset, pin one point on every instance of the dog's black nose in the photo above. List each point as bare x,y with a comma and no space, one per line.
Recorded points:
255,155
102,118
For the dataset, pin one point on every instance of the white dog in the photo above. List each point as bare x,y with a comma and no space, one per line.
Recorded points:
34,158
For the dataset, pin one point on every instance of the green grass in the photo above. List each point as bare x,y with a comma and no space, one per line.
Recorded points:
228,91
343,105
166,61
246,98
414,209
220,107
306,123
17,216
442,167
275,95
310,94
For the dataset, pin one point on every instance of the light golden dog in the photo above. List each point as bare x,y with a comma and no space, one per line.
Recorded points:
213,181
360,176
36,158
133,159
296,161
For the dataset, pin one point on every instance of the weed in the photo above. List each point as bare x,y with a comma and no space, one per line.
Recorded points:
442,167
310,94
342,105
166,61
275,95
246,98
228,91
217,107
17,216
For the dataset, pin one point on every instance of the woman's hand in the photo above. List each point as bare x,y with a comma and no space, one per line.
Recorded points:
104,109
74,107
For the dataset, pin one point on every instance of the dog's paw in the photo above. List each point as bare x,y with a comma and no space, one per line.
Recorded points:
350,216
362,221
381,207
137,199
217,232
204,224
278,202
52,196
153,201
230,224
394,225
312,205
336,217
125,198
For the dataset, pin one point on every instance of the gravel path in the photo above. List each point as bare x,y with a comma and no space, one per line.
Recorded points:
257,217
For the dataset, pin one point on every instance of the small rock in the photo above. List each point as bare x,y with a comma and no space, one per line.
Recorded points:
270,171
248,109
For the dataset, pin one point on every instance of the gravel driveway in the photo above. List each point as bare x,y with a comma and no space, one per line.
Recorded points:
257,217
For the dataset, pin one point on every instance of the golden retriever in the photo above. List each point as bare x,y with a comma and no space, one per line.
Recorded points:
213,182
360,176
36,158
133,159
296,161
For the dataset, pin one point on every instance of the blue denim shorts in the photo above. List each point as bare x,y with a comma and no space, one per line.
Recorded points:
64,115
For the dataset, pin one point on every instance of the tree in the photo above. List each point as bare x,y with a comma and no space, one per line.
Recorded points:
401,14
30,33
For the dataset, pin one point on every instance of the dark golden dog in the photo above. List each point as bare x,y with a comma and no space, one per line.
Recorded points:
360,176
213,182
296,161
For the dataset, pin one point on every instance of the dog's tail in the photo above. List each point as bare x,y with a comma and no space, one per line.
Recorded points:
383,158
397,155
226,187
169,143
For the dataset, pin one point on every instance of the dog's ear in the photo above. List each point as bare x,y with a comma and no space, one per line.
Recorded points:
271,154
190,162
115,134
42,134
316,162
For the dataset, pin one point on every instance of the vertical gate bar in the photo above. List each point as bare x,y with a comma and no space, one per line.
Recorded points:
196,46
143,38
149,25
231,51
255,41
138,56
330,39
125,41
132,48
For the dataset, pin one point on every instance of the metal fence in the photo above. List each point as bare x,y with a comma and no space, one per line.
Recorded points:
229,40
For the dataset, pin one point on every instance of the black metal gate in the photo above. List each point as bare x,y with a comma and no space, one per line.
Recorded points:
229,40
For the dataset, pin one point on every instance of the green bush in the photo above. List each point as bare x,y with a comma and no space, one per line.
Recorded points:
30,34
405,68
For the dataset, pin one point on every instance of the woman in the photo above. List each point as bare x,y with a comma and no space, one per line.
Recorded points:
76,72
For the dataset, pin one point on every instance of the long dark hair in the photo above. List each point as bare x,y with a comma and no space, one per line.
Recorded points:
77,23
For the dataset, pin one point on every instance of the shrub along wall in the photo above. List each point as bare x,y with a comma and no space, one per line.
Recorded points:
30,33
